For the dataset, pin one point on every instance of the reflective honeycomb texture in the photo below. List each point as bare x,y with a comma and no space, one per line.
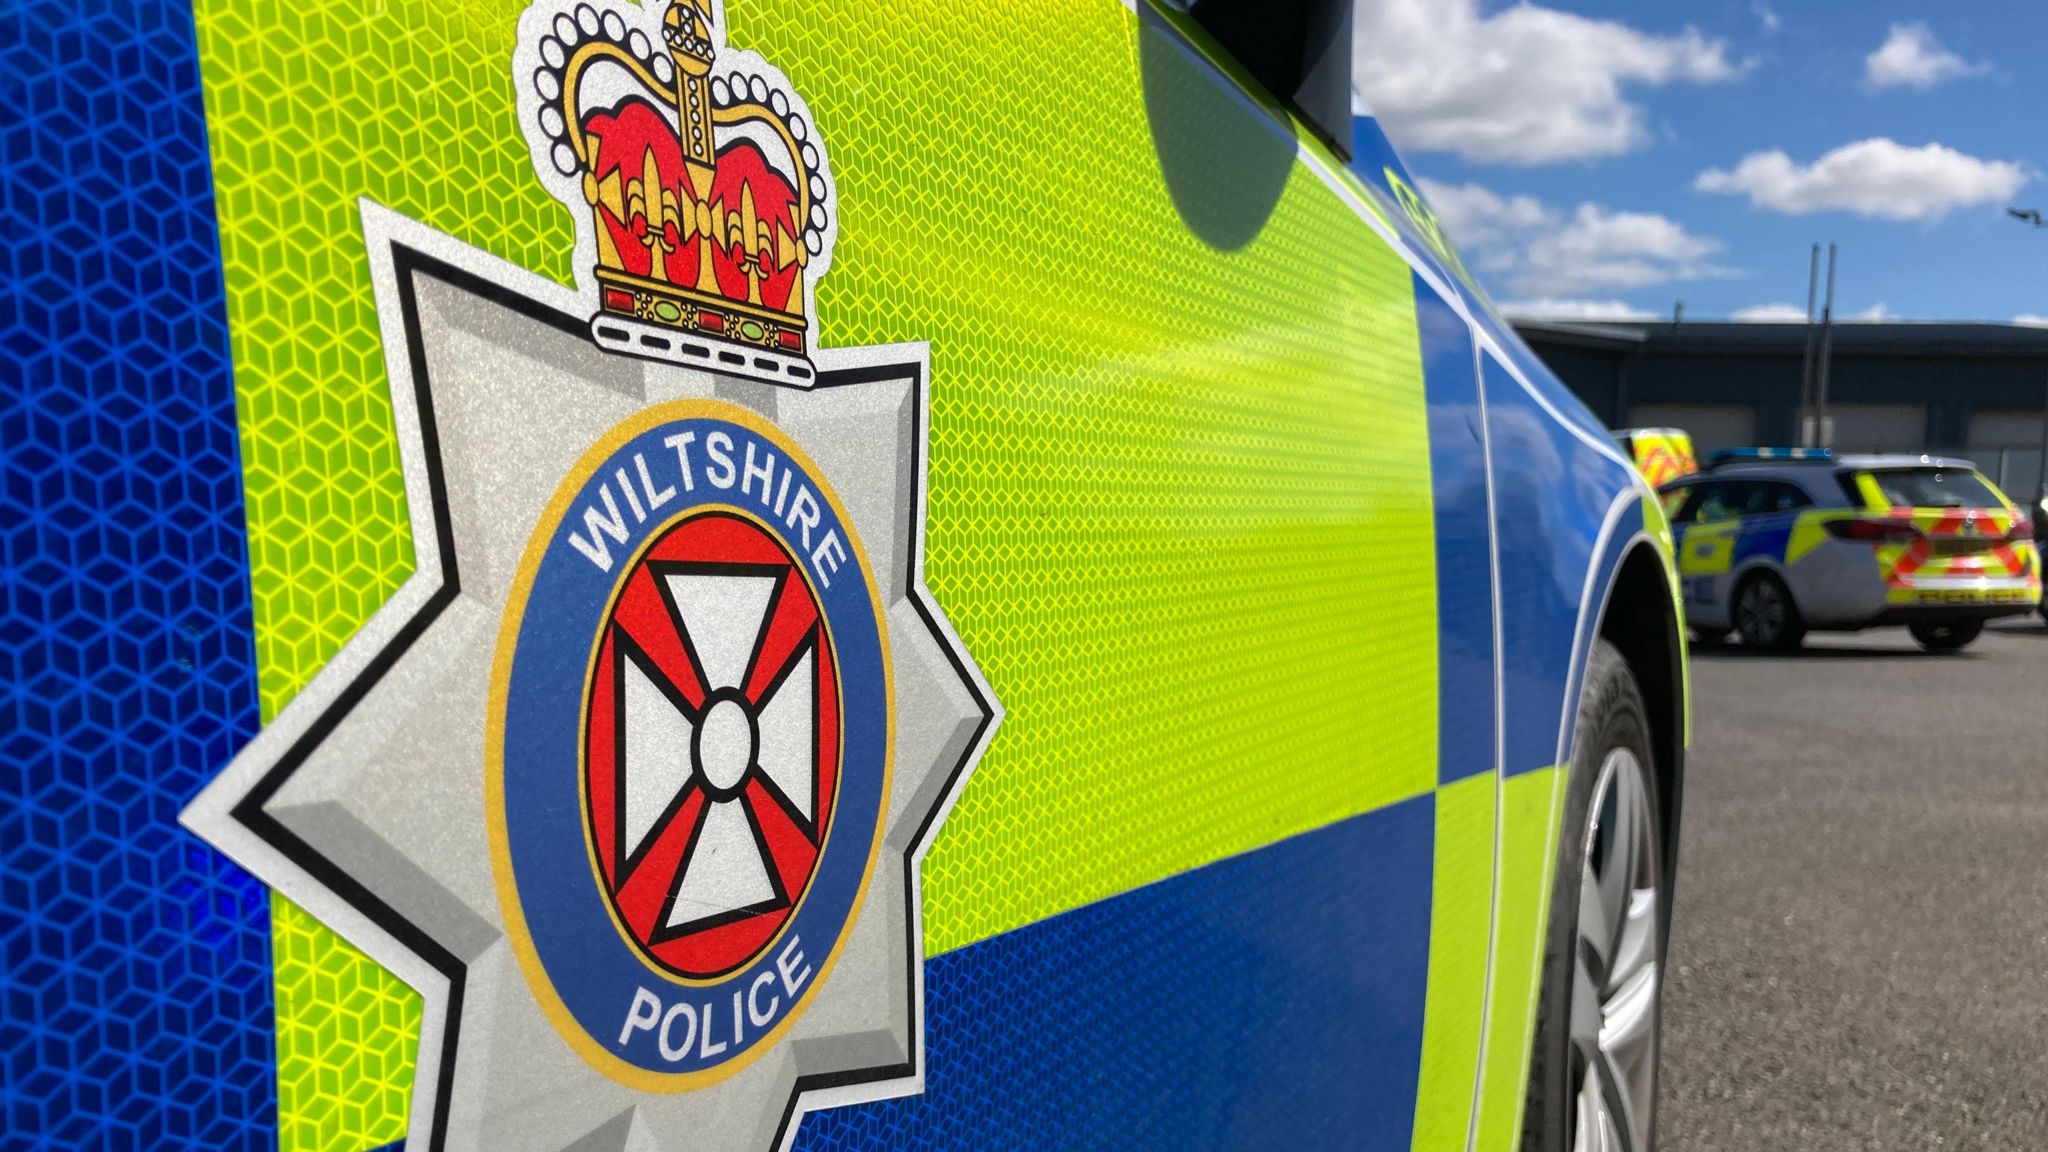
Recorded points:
1179,480
134,960
1179,493
346,1035
312,106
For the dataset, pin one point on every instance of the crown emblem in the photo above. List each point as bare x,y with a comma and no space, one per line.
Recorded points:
699,184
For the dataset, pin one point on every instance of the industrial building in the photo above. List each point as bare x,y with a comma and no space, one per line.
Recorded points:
1973,390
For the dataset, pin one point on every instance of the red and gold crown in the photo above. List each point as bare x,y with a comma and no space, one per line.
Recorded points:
701,189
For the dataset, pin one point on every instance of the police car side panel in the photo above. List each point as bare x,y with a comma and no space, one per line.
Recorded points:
1184,475
1569,509
1706,555
1467,724
138,979
1238,497
1759,543
1715,557
1836,583
1566,506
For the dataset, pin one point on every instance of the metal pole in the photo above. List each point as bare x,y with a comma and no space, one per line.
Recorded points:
1827,349
2033,216
1806,432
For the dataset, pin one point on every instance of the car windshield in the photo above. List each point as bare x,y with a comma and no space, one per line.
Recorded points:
1935,488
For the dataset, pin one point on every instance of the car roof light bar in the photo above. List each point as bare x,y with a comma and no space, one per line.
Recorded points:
1726,456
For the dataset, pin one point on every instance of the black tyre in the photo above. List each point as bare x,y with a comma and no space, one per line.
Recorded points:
1765,614
1946,637
1593,1068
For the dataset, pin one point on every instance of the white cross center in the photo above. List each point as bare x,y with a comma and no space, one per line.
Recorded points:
725,745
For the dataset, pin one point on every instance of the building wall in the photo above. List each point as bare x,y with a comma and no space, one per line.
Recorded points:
1904,377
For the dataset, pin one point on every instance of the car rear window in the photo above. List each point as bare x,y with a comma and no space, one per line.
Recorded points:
1926,488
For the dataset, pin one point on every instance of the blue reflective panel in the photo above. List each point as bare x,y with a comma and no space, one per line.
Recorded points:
1270,1000
1464,549
135,985
1766,536
1552,493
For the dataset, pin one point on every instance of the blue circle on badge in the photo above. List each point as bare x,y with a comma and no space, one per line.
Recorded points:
695,717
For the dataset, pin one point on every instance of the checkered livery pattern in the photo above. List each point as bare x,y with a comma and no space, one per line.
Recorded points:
1158,416
1180,507
1956,544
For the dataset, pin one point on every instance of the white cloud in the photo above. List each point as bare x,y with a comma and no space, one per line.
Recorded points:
1598,248
1525,85
1537,251
1875,178
1480,219
1793,314
1553,309
1766,16
2031,320
1771,314
1911,57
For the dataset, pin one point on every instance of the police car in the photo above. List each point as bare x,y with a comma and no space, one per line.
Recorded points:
661,574
1773,543
1662,455
2041,544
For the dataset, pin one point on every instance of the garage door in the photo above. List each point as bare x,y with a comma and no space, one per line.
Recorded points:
2006,444
1711,426
1879,427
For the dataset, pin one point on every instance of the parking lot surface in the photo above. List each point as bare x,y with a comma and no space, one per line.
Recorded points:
1859,957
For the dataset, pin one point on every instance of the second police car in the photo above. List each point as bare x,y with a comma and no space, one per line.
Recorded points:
1774,543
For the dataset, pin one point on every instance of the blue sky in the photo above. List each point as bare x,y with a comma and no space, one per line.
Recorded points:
1607,157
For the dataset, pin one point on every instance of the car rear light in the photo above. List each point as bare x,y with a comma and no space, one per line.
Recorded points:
1872,531
2021,530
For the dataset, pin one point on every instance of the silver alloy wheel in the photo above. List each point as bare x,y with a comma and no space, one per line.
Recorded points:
1615,973
1761,615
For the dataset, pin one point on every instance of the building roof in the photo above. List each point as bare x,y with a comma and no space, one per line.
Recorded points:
1737,338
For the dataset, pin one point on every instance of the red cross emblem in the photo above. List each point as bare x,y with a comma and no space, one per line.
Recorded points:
711,744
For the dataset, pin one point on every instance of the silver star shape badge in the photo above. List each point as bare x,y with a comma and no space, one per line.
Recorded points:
379,798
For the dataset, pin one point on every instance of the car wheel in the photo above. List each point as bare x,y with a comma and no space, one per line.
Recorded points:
1593,1069
1765,615
1946,637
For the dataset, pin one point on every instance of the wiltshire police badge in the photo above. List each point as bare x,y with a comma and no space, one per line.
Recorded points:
633,777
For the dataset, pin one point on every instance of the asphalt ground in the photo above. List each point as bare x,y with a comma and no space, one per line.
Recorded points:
1859,954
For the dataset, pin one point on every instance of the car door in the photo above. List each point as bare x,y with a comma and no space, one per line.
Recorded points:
1770,509
1467,728
1706,527
1121,373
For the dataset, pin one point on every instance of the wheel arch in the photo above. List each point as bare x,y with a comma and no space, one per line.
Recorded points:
1751,569
1641,618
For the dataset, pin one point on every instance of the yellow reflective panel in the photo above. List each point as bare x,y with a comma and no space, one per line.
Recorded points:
1179,492
1708,549
347,1033
1529,814
1461,916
